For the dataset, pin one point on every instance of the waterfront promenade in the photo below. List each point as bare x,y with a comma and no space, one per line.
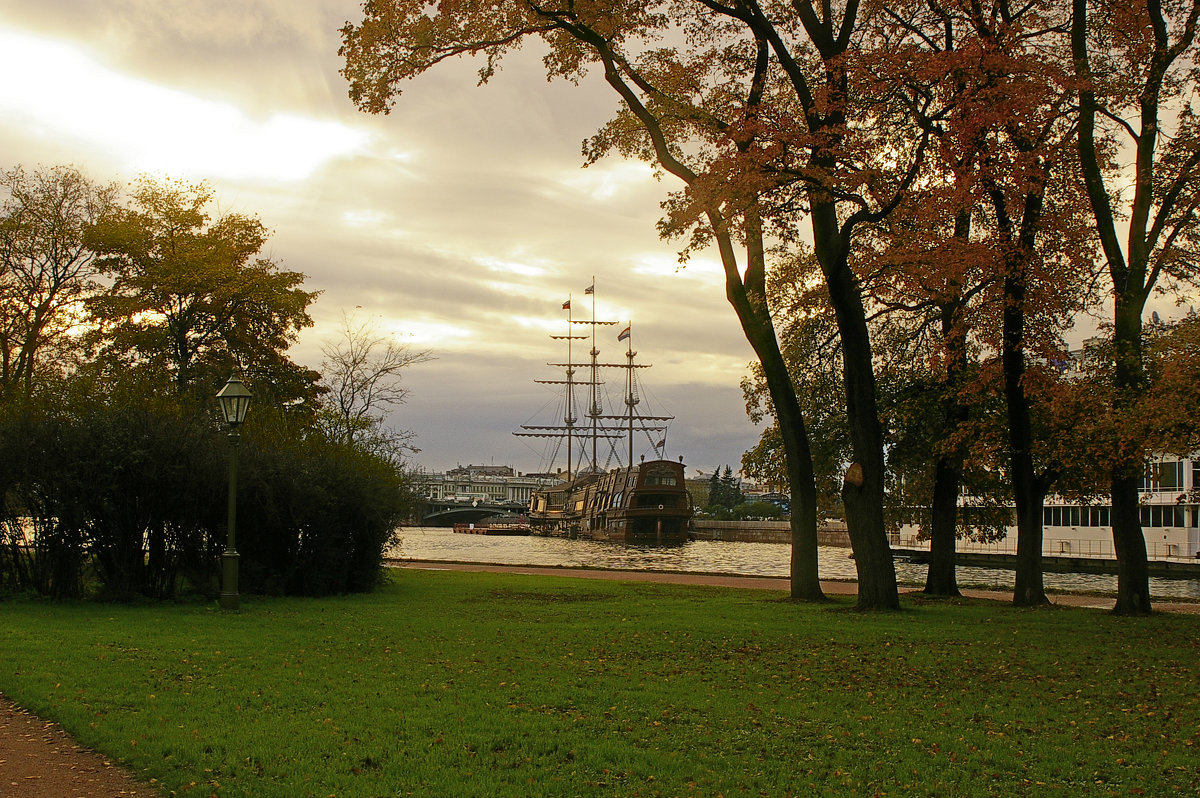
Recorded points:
831,587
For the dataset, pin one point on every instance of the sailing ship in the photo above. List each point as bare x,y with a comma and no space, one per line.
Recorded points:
642,502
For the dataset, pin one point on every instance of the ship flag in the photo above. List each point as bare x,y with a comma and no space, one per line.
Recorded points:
591,289
567,305
624,334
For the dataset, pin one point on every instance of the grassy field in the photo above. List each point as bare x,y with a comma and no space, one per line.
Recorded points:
455,684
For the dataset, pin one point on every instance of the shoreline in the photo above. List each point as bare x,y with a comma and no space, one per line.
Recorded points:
777,583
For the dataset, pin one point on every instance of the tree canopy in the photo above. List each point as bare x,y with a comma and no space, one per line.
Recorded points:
119,319
193,297
46,270
938,158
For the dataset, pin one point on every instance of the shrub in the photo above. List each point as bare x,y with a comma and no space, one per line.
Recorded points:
128,499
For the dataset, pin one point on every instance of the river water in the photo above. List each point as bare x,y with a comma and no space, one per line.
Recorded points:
719,557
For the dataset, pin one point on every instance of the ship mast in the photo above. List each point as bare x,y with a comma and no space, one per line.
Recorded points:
594,410
610,427
569,417
568,428
631,397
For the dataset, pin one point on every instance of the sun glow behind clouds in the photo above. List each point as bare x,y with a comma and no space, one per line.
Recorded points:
608,179
428,333
60,93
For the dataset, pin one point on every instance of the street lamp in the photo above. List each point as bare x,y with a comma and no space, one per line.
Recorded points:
235,401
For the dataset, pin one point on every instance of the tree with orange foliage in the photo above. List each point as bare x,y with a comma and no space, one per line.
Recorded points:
768,115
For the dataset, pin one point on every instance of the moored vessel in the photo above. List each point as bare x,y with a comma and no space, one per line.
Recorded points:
632,502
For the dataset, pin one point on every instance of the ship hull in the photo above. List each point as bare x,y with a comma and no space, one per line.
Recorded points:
645,505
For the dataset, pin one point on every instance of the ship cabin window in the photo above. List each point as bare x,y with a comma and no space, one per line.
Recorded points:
579,506
666,480
618,499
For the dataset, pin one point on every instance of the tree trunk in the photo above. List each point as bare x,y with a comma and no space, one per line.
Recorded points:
1027,491
942,579
1133,571
1133,567
862,490
1029,590
749,301
805,580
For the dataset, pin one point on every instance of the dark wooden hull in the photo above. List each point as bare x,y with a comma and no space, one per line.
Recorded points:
647,504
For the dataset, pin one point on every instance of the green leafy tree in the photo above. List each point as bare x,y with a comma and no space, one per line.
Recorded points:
193,298
724,490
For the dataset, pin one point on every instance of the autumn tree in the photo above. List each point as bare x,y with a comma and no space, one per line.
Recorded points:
46,271
192,296
768,115
1139,145
1006,187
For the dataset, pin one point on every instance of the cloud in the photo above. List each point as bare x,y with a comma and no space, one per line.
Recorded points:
458,223
175,131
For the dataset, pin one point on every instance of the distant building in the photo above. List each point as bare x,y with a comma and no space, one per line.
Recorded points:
1170,493
481,471
493,484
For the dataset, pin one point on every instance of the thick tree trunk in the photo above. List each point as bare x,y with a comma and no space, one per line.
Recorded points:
805,580
942,579
749,301
862,490
1133,571
1030,590
1027,491
1133,567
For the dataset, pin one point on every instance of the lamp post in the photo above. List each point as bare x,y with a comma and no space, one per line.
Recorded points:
235,401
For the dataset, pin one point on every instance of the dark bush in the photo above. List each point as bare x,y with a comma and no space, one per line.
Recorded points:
128,499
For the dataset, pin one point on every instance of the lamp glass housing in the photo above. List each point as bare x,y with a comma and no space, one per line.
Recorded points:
235,401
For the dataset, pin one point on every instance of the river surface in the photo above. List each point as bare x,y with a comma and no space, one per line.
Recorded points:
717,557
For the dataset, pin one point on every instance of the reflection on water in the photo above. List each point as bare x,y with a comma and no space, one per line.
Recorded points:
707,556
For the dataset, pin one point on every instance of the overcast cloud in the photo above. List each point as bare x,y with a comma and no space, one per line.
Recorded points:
460,222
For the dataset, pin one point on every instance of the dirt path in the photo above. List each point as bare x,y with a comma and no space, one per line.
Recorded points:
40,760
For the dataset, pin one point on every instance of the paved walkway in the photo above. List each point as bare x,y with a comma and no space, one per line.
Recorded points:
831,588
39,760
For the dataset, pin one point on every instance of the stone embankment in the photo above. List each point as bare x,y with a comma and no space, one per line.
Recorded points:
828,534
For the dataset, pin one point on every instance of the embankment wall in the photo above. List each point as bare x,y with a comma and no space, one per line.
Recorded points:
766,532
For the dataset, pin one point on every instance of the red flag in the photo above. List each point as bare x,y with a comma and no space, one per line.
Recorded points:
567,305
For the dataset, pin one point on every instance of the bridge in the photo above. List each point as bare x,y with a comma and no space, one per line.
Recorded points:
449,513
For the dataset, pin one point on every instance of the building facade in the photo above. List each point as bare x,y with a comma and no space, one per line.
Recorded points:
1170,492
491,484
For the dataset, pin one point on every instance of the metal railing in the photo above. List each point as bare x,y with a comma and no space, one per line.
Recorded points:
1062,547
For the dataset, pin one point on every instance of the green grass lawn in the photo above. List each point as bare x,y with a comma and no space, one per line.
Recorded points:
460,684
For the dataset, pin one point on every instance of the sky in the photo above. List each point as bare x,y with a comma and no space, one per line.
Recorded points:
459,223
